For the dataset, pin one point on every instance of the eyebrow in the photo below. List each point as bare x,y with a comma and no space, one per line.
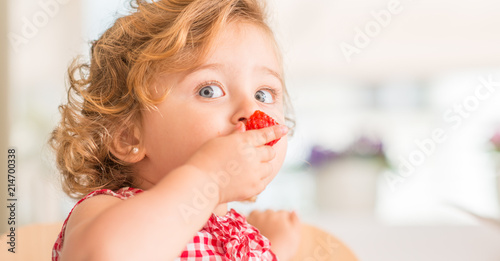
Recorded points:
273,73
210,66
218,66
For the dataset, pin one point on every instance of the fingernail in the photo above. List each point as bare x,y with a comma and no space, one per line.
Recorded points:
240,126
284,129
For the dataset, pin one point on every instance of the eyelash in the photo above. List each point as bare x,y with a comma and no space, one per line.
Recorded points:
273,91
276,93
204,84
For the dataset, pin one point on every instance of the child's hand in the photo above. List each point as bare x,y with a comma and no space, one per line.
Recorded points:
239,163
282,228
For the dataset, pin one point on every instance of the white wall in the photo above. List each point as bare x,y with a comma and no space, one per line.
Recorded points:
422,38
4,131
50,37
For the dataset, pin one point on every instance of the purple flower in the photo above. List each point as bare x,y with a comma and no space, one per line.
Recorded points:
366,147
320,155
361,148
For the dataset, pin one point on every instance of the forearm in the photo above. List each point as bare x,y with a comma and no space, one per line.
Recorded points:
156,224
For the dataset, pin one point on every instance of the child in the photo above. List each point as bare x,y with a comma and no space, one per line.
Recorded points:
154,135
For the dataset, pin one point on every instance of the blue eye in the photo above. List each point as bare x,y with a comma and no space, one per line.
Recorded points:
264,96
211,91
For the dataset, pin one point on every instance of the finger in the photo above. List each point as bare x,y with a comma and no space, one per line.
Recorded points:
240,127
267,172
294,217
283,212
266,153
253,213
265,135
255,216
251,199
269,211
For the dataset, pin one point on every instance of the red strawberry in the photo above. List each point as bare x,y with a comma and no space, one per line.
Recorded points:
260,120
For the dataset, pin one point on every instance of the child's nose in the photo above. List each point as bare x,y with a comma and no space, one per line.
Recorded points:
243,119
244,107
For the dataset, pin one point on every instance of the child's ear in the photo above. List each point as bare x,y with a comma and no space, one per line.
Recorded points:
127,145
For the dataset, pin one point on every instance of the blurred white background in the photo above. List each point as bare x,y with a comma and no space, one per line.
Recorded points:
399,71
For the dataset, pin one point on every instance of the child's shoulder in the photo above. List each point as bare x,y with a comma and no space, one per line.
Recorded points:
87,209
94,203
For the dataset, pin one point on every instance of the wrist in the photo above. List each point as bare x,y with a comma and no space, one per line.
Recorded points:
208,185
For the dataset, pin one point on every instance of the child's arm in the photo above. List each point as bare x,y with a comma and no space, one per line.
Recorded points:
148,226
154,225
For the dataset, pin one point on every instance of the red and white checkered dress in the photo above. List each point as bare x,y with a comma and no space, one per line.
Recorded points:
228,237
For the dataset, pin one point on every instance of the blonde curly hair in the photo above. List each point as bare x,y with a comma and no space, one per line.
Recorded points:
106,95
